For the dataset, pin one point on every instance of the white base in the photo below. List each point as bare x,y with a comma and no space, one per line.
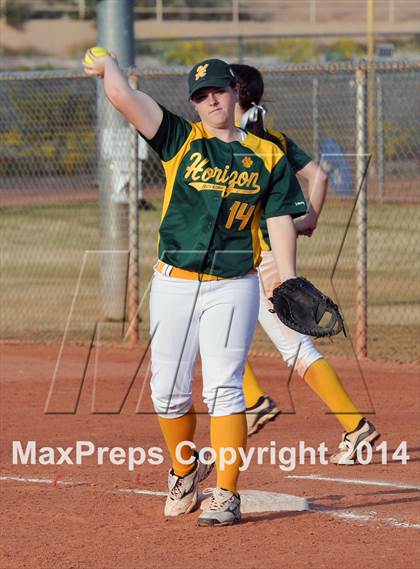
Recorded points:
255,501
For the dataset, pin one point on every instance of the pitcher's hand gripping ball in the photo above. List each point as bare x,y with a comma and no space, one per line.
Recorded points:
301,306
96,51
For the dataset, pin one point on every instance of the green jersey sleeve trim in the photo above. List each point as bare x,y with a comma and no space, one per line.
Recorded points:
171,135
281,139
296,156
286,196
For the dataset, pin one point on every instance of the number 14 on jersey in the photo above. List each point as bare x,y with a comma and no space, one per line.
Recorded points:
240,211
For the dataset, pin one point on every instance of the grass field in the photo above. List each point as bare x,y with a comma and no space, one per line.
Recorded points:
43,248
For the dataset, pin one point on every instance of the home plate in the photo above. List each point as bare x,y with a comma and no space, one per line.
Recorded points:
254,501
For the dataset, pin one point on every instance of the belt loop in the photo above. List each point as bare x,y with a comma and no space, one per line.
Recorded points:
163,268
167,269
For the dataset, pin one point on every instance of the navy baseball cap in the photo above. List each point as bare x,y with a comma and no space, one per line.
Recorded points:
210,73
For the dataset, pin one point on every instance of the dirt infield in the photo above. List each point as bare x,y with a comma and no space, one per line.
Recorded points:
80,517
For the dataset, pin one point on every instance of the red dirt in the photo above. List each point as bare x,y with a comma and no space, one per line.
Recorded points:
91,526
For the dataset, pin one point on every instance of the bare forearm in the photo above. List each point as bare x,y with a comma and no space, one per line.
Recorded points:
115,82
283,244
138,107
317,195
318,184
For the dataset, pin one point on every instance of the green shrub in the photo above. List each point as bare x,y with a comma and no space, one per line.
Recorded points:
17,13
49,139
185,52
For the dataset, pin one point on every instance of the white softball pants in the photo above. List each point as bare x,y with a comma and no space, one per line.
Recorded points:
216,318
297,349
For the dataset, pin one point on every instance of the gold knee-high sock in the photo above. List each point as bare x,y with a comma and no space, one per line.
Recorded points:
175,431
229,431
323,379
251,387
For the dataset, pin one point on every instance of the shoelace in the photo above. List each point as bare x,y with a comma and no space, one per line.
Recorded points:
178,489
346,442
344,445
205,501
219,500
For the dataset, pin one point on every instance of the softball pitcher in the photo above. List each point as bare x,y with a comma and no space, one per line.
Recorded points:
204,294
296,349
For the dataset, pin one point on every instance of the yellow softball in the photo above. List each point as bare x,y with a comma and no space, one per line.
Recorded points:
97,51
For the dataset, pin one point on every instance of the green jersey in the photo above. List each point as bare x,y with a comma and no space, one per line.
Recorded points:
215,193
298,159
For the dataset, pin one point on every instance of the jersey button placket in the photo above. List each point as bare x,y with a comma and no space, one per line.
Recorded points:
227,154
230,159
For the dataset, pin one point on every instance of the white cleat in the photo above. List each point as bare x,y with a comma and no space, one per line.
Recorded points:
364,433
222,509
264,411
183,491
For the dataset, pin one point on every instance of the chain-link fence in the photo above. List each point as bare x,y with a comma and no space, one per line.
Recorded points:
52,160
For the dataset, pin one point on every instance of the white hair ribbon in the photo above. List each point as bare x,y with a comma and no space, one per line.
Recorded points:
251,115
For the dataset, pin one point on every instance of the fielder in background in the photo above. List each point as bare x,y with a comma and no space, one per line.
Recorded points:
296,349
204,294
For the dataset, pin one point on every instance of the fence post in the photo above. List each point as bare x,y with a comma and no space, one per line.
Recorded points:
380,136
312,11
315,119
133,231
3,8
391,12
82,9
159,10
240,48
361,213
235,12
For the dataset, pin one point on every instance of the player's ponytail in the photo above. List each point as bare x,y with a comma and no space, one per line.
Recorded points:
253,120
251,91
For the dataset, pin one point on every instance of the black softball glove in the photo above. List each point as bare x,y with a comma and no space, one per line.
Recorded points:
301,306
